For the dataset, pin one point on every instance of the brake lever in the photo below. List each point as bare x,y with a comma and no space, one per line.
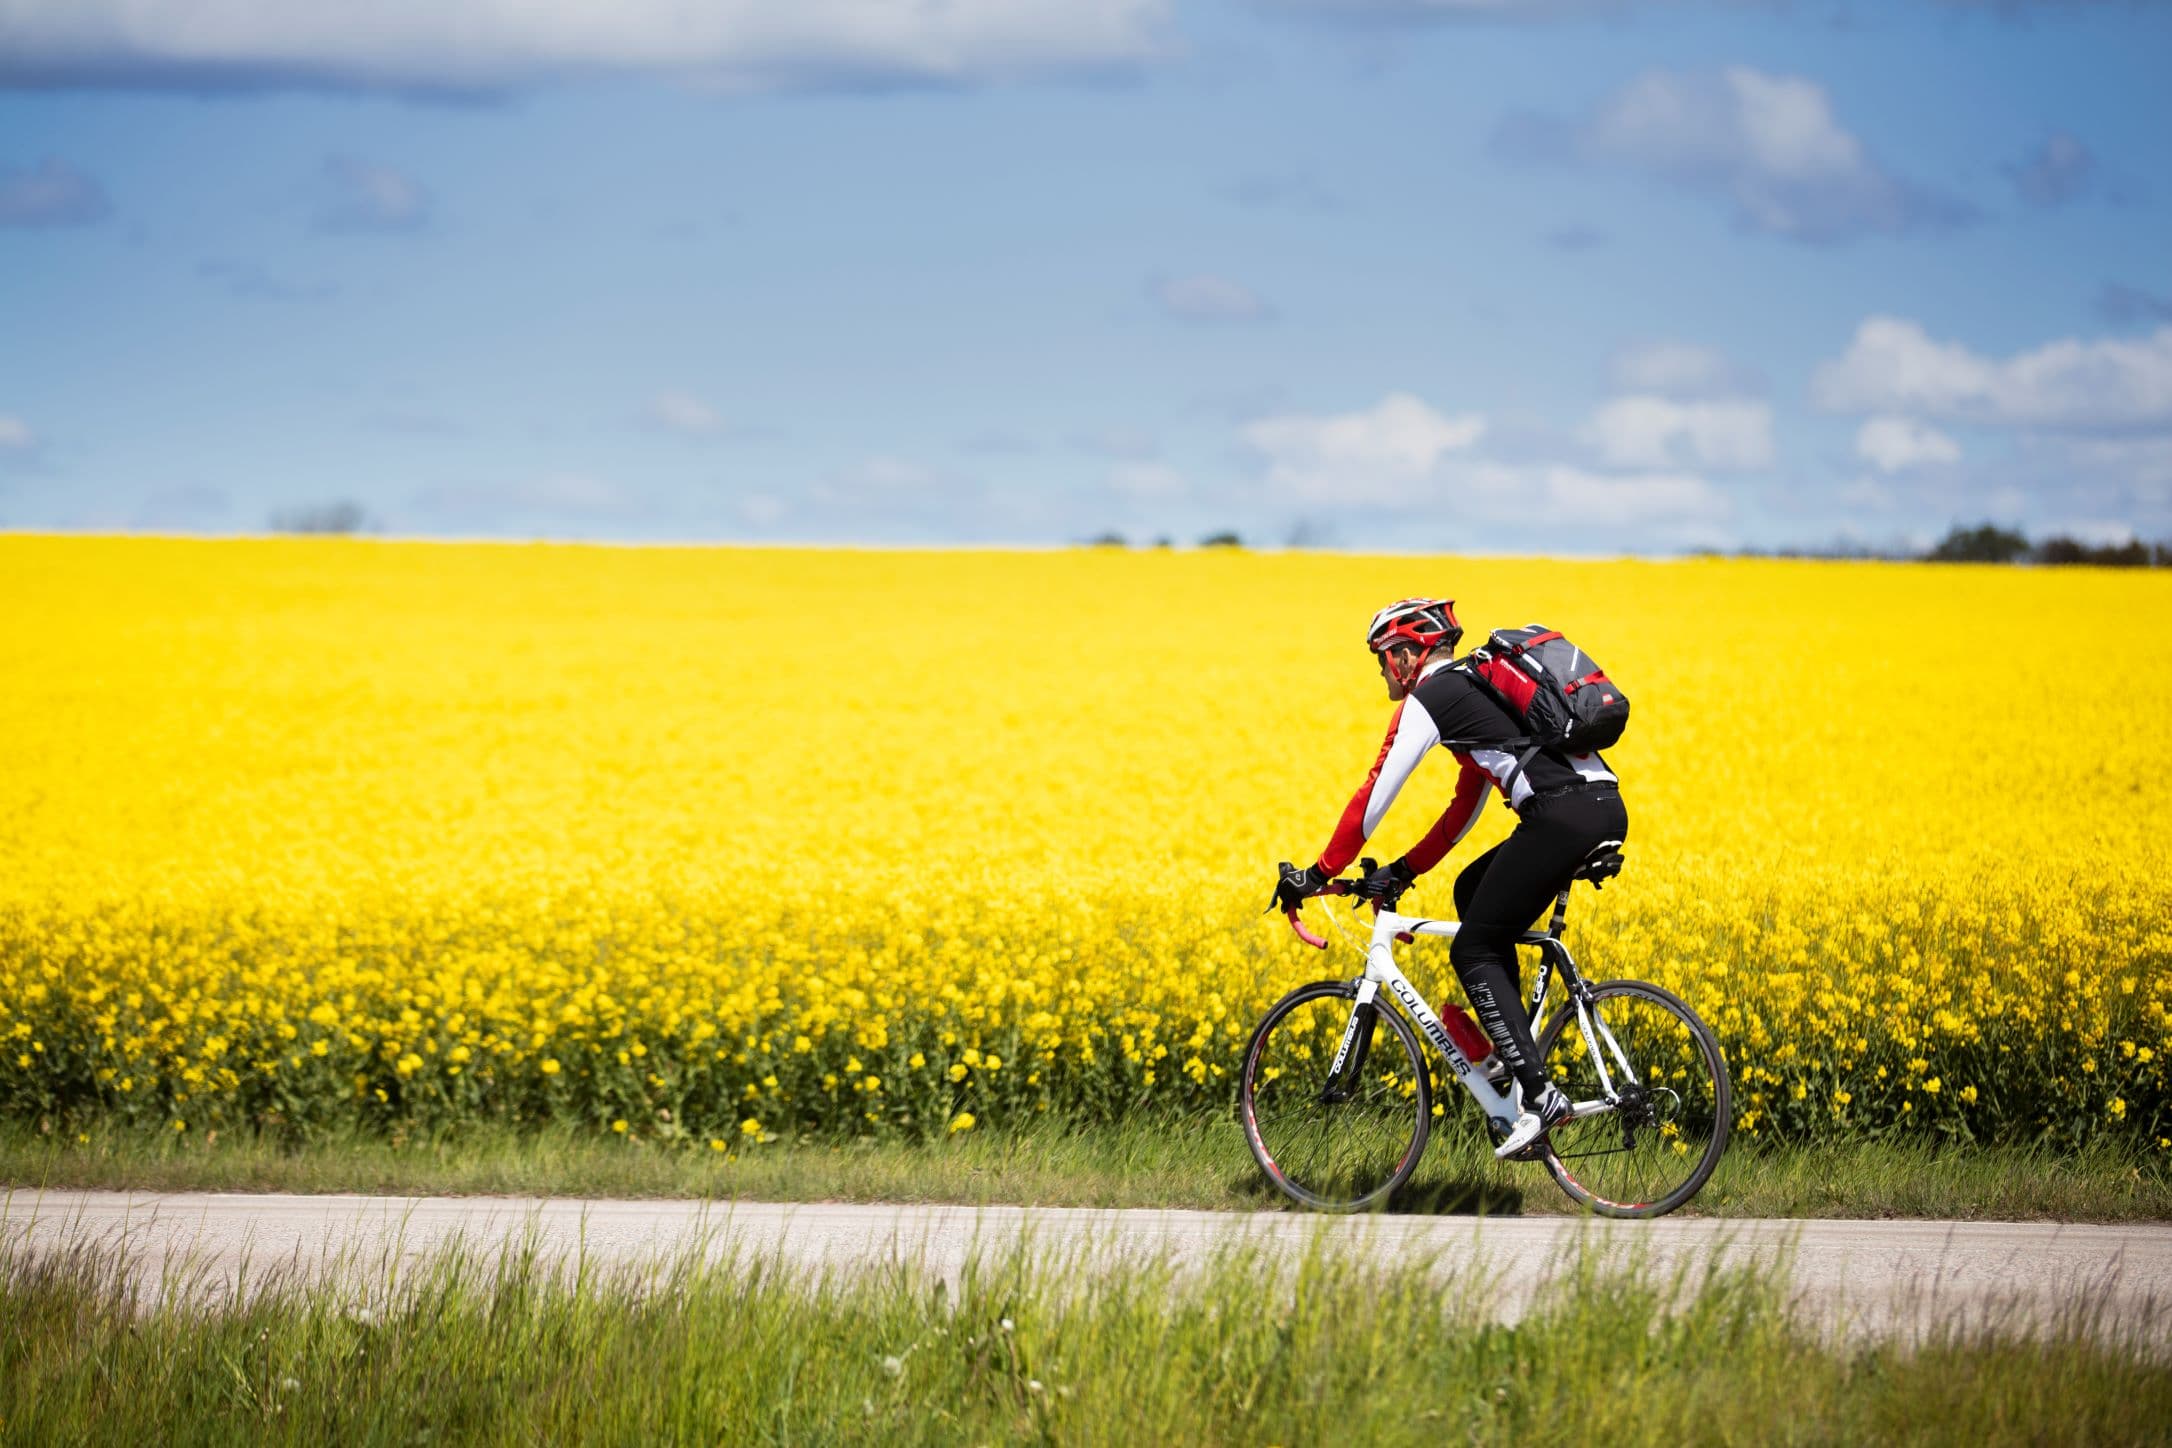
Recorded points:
1366,867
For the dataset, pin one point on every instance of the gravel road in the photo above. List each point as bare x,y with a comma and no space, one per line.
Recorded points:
1863,1276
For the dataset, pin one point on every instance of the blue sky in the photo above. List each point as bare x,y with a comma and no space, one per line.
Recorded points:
1466,274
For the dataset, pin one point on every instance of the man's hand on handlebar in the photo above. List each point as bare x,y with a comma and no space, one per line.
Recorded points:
1295,886
1384,886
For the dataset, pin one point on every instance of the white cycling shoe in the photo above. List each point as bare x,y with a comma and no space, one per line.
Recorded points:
1541,1116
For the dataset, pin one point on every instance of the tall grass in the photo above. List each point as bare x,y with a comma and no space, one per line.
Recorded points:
1323,1349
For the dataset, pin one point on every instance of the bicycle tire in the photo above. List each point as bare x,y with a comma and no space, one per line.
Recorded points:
1323,1154
1700,1110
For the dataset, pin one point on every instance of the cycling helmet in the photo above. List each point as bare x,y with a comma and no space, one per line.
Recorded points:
1426,622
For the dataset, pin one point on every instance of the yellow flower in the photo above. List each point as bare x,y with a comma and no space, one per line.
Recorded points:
387,879
963,1121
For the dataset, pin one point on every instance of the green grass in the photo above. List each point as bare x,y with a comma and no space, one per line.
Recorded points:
1244,1349
1192,1162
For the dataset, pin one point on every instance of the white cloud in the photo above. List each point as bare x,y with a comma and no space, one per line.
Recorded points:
1563,500
1385,454
361,195
738,44
1146,480
1891,444
683,412
1894,366
1404,456
52,194
1768,144
1644,431
1867,494
1678,369
2143,464
1209,299
15,435
762,509
1577,497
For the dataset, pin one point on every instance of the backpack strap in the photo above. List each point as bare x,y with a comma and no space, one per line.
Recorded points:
1530,750
1523,762
1484,685
1525,743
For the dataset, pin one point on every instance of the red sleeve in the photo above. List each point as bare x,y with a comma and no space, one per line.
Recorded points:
1455,821
1350,831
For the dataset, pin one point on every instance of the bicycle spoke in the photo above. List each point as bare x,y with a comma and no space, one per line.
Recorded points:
1669,1123
1339,1148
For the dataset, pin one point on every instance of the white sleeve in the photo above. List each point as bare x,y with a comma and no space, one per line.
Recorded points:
1415,732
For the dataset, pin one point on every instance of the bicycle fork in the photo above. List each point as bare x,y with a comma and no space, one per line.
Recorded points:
1348,1068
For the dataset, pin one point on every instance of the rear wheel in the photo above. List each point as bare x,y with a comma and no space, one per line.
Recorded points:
1659,1145
1336,1140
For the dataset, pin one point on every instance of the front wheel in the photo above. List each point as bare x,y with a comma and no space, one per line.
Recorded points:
1336,1129
1659,1143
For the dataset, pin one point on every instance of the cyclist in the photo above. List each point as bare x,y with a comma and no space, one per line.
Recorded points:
1565,805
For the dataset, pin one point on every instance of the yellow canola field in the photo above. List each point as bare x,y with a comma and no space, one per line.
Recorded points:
714,845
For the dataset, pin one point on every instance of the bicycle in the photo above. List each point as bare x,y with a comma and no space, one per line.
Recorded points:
1646,1132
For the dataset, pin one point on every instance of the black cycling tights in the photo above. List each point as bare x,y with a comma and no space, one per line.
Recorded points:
1502,893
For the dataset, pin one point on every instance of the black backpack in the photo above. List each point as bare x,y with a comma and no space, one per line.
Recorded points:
1564,699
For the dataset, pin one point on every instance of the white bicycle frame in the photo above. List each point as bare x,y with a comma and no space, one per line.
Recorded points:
1501,1105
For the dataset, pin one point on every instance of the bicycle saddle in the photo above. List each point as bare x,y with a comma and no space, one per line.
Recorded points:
1602,864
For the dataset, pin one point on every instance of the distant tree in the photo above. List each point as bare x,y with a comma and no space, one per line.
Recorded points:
1221,540
1164,541
2133,553
1110,539
339,517
1985,543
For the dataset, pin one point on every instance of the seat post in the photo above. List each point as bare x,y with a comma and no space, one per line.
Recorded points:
1561,914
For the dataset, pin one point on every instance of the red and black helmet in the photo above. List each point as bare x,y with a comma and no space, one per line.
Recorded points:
1428,623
